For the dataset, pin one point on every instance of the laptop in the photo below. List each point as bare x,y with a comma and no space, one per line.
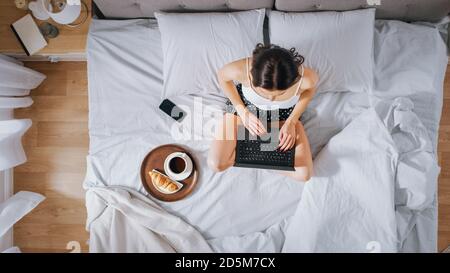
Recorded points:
261,152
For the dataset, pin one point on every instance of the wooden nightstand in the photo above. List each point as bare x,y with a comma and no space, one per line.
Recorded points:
69,45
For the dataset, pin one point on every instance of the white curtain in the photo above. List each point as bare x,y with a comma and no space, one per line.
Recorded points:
13,209
15,84
16,81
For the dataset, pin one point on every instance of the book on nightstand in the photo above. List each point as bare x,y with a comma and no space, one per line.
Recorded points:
28,34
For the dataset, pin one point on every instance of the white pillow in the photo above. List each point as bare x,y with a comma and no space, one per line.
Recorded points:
409,59
196,45
337,45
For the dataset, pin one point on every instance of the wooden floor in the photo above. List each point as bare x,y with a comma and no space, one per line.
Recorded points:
57,144
444,162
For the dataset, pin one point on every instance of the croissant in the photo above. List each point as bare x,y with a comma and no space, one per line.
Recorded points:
164,183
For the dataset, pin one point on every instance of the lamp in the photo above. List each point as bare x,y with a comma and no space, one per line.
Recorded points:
64,12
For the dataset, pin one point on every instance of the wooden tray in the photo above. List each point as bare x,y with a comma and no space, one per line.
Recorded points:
155,160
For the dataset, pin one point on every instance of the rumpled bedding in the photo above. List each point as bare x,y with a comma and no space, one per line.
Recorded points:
388,208
368,182
143,225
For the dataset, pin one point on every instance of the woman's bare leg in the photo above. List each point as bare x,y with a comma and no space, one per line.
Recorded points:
222,153
303,160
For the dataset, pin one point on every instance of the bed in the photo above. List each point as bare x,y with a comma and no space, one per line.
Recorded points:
248,210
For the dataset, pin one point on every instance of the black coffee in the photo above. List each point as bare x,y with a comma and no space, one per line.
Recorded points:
177,165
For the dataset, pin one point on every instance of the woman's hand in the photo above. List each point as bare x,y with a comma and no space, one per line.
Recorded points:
251,122
287,136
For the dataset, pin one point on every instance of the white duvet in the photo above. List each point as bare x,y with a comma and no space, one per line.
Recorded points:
257,210
374,166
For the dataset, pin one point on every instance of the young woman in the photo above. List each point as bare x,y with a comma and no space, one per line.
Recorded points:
273,79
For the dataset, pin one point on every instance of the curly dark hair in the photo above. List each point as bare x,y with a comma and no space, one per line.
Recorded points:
274,67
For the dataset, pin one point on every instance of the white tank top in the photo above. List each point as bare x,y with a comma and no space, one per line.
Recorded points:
265,104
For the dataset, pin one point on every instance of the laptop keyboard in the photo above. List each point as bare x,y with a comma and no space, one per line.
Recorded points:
260,154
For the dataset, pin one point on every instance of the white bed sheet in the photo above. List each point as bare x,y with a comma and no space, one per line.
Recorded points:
125,124
125,81
410,61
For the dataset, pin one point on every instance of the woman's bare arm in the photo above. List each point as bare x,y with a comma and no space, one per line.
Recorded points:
288,131
305,97
226,75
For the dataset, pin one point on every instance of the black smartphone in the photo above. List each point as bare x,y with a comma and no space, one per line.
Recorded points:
172,110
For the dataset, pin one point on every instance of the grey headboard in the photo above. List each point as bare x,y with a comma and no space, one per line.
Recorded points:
406,10
146,8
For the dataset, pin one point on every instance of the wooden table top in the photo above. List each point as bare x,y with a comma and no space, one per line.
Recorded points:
70,40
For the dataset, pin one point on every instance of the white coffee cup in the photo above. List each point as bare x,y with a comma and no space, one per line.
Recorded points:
178,166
